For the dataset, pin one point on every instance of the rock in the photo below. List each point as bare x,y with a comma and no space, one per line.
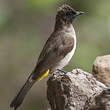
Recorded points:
102,101
74,90
101,69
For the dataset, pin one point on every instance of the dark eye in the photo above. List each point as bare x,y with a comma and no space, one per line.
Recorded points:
73,12
68,13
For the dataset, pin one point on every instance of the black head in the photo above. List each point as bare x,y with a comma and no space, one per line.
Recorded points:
67,14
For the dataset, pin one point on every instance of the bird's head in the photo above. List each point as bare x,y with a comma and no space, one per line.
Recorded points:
66,14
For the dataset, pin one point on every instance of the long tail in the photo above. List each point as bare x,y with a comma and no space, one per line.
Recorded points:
17,101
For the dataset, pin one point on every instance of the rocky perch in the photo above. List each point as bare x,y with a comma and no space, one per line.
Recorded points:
80,90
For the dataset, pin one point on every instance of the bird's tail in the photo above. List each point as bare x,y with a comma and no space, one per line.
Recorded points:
17,101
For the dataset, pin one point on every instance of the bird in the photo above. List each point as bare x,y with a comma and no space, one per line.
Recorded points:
56,53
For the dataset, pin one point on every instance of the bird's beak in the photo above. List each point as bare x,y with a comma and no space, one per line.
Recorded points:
79,13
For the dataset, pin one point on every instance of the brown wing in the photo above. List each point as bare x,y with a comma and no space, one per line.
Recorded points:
55,49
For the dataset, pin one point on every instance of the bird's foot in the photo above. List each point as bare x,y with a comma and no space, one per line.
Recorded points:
62,71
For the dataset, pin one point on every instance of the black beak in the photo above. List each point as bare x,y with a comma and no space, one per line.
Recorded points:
79,13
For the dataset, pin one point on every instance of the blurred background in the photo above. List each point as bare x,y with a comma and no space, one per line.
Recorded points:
25,25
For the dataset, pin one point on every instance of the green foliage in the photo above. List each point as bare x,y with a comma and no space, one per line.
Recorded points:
41,5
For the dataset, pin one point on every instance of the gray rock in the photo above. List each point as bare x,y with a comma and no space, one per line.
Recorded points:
101,69
74,90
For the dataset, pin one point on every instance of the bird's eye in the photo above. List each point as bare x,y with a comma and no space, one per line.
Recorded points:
68,13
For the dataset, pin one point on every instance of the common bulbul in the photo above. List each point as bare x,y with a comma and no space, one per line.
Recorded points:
57,51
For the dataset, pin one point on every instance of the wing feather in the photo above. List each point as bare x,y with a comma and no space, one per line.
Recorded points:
54,50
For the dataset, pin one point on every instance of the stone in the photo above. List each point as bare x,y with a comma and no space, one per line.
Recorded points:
101,69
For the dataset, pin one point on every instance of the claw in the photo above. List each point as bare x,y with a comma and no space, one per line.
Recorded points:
62,71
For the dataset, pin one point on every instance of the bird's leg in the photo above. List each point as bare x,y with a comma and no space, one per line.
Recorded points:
62,71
